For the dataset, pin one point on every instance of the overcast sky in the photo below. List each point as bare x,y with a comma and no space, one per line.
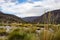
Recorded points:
27,8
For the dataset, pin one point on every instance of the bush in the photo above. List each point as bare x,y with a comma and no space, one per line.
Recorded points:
31,36
16,37
18,34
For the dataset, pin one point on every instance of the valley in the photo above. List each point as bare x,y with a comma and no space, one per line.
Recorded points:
44,27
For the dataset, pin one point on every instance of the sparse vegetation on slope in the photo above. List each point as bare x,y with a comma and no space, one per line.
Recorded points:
8,18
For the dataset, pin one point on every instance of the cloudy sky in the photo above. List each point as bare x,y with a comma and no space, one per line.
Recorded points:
27,8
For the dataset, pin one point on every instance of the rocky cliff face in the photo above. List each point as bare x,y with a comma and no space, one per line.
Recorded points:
49,17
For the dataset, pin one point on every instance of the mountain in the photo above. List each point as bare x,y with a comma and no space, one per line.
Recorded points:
9,18
49,17
30,19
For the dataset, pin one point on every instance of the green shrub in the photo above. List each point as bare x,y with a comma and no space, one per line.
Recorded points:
16,35
31,36
19,34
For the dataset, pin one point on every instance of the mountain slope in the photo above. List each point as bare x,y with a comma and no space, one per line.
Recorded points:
49,17
10,18
30,19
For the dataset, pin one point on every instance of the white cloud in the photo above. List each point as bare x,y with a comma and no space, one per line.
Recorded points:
20,8
29,9
52,4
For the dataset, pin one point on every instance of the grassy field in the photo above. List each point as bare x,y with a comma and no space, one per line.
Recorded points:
30,32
